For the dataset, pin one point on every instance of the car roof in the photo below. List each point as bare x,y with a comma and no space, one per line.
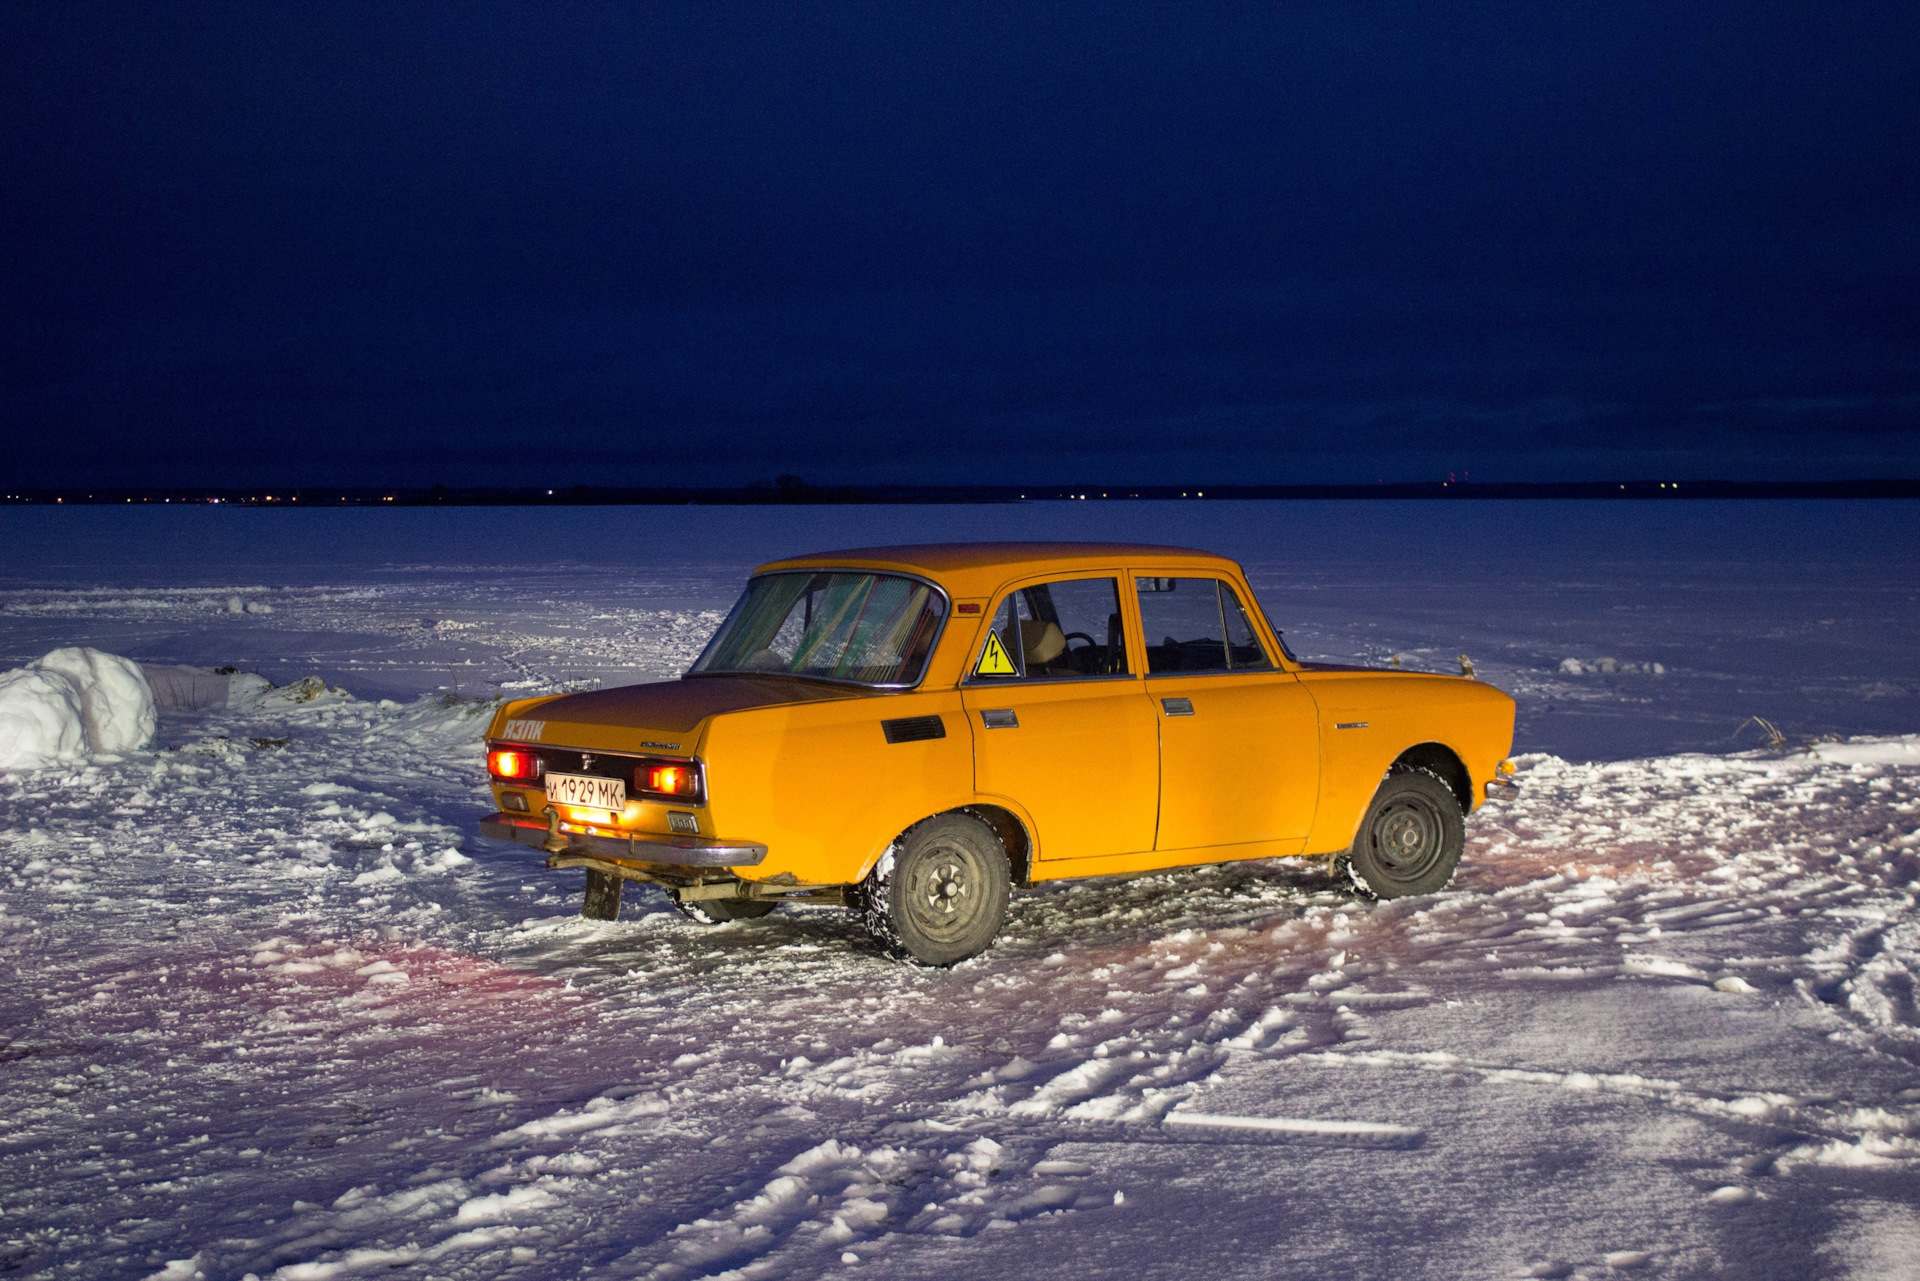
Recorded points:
969,568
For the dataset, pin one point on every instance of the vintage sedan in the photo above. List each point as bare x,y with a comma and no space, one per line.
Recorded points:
912,731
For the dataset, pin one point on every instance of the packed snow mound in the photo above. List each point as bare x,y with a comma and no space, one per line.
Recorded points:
203,689
41,722
116,703
71,702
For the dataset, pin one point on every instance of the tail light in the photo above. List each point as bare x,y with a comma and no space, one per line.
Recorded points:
672,780
513,764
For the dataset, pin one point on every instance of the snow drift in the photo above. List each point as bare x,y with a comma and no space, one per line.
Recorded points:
116,703
70,702
40,719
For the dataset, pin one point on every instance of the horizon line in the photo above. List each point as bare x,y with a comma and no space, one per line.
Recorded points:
791,490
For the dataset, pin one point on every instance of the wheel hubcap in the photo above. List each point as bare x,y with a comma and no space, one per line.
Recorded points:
943,894
1407,837
947,886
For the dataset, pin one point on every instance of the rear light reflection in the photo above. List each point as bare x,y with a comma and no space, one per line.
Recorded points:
515,764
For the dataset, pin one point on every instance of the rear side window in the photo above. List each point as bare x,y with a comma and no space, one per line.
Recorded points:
871,629
1196,625
1056,631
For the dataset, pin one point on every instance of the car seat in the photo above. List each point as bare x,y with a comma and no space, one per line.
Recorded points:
1041,643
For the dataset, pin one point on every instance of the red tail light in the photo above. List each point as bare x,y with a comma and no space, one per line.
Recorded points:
679,779
514,764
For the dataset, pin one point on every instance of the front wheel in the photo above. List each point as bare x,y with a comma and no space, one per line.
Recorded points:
940,894
1411,839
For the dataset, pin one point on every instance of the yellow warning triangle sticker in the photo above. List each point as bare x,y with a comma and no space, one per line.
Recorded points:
995,661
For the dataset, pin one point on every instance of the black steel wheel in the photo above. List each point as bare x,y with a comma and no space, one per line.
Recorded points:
715,911
940,894
1411,838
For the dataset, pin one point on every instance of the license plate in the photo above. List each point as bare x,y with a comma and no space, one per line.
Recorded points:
586,791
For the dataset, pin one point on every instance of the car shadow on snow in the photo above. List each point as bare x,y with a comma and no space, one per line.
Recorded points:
1107,912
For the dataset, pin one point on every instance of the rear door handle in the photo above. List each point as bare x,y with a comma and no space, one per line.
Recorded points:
1000,718
1177,706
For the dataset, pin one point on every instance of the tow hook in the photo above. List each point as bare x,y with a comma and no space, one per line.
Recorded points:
555,843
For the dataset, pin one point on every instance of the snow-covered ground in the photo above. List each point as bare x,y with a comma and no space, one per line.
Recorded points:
278,1011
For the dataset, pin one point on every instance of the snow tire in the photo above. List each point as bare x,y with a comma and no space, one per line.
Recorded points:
939,894
1411,838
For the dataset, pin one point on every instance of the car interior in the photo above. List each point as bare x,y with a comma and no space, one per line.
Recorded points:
1200,625
1065,629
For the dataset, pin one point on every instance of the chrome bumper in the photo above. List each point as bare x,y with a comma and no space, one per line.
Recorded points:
1503,789
638,847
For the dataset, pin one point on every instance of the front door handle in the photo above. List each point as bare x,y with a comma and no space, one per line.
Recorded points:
1177,706
1000,718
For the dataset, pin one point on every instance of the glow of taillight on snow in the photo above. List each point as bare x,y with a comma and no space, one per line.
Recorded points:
508,764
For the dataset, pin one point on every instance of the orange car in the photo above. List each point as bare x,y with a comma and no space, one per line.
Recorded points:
911,731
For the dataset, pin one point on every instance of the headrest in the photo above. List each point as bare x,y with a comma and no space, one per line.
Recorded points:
1042,642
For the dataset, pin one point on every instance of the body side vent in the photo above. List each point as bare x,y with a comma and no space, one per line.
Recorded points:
913,729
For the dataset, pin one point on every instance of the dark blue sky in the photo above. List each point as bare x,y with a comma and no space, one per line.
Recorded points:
642,244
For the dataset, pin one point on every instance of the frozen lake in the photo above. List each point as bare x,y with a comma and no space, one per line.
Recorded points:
1803,613
280,1013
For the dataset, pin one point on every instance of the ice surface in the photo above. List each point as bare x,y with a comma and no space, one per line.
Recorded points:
1799,612
282,1013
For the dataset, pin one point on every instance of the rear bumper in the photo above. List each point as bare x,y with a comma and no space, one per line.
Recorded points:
640,847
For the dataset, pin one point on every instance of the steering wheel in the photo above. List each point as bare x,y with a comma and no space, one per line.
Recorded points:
1091,642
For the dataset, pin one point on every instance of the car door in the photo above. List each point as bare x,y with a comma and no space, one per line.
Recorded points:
1239,736
1059,723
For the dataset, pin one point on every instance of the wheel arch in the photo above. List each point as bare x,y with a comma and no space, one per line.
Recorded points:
1008,827
1443,761
1013,838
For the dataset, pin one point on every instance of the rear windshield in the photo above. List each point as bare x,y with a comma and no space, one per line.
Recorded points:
873,629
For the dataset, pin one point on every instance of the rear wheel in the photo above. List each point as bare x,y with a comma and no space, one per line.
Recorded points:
940,894
1411,839
714,911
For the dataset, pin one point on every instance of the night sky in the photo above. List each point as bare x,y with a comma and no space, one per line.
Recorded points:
706,243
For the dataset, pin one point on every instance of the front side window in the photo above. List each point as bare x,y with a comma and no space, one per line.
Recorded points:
1196,625
1056,631
873,629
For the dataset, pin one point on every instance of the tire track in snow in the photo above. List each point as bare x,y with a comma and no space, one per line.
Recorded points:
339,1037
